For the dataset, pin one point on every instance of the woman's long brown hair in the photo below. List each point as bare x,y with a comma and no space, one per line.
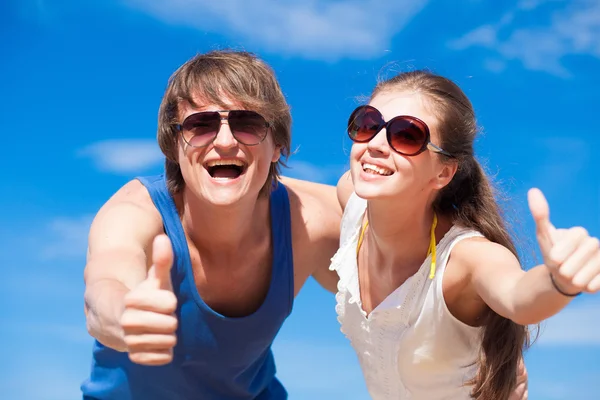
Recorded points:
469,200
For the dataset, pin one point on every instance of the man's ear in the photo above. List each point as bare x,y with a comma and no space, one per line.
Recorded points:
276,154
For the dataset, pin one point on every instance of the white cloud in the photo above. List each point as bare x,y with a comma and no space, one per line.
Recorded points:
572,28
533,4
576,325
68,237
495,65
315,29
485,35
123,156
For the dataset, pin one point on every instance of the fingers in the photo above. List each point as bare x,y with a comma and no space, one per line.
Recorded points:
160,301
564,249
162,261
590,273
522,372
594,285
147,343
572,256
149,336
154,358
538,205
578,253
136,322
540,211
148,322
578,259
520,392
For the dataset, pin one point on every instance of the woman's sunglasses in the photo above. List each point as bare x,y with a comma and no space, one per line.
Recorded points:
406,135
200,129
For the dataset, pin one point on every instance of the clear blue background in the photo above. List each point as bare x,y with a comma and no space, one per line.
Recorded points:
80,85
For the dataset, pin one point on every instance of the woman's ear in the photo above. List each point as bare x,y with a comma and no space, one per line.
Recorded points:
445,175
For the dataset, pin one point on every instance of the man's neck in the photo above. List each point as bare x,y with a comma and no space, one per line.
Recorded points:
217,231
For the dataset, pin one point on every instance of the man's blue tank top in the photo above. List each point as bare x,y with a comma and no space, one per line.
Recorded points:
216,357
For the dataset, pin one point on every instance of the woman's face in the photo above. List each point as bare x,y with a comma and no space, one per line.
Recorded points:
380,172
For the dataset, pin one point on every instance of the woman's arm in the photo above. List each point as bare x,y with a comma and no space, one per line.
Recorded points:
571,265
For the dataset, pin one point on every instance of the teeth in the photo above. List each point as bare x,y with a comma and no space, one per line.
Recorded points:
374,169
213,163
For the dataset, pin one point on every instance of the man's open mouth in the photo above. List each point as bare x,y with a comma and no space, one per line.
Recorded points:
225,169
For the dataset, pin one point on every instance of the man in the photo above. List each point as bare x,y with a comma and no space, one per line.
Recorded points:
242,245
192,314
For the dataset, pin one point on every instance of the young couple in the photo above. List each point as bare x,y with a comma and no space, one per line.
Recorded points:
191,274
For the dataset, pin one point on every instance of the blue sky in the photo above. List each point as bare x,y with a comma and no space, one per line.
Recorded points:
82,81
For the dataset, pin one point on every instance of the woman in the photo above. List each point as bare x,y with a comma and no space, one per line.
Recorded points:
431,292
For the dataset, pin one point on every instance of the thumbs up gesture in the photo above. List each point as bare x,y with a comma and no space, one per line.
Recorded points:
148,322
571,255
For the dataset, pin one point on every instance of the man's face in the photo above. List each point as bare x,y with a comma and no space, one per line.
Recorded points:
224,171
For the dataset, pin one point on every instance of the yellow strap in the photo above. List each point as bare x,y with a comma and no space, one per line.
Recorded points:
432,247
362,235
432,243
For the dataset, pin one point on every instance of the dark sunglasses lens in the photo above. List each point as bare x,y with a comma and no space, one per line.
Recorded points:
248,127
201,128
363,125
407,136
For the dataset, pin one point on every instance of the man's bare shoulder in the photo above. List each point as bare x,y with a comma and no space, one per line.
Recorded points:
129,213
345,188
315,203
135,194
316,217
121,235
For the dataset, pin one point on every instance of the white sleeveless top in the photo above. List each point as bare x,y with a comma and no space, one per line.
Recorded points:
410,346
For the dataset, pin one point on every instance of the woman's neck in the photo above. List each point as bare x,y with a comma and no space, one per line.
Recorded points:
400,236
397,236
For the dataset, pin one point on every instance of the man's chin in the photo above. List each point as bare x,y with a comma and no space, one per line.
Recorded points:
224,195
227,193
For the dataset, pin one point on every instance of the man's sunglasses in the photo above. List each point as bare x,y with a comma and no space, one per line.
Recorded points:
200,129
406,135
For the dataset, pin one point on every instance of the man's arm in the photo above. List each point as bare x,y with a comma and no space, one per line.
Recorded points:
344,189
119,251
322,216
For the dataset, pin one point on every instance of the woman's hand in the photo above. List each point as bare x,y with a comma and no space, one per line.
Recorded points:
571,255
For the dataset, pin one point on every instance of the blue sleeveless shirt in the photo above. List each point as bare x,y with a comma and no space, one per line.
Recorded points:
216,357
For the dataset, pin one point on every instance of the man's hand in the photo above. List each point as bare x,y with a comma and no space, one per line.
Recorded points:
148,322
521,391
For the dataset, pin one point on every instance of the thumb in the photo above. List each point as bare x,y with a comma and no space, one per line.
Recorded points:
162,261
540,211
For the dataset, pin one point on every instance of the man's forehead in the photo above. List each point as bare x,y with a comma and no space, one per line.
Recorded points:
202,101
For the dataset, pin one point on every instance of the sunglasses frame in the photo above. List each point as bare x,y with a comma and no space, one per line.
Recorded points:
179,127
427,144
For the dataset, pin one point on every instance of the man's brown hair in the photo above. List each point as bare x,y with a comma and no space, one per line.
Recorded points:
213,78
